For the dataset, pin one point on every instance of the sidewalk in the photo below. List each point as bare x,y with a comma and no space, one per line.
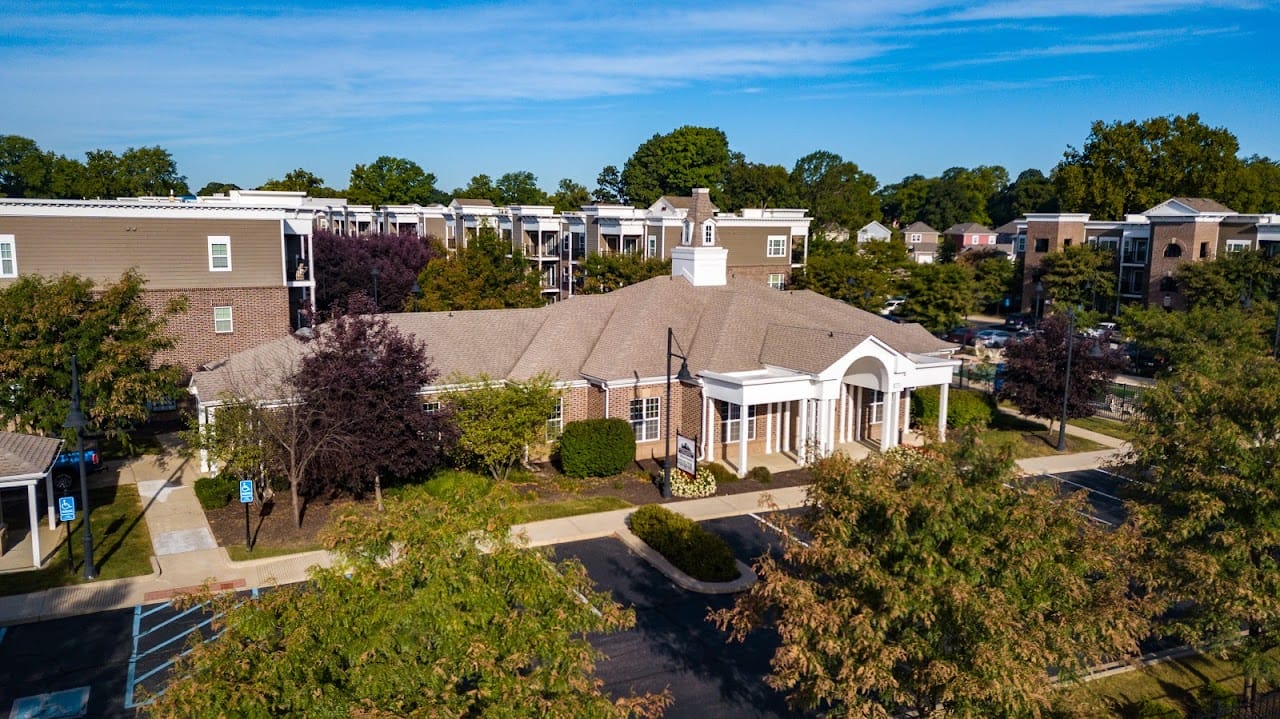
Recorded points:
187,557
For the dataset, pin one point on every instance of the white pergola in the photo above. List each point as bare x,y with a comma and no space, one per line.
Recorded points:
25,459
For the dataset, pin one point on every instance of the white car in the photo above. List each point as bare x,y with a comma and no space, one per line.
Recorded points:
891,305
992,338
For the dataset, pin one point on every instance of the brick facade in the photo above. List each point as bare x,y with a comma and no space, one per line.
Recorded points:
259,314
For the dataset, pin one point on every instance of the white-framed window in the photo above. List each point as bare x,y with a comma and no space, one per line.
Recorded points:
731,422
653,246
222,320
431,407
708,233
219,253
1232,246
555,423
875,407
644,418
8,256
777,280
916,237
777,246
991,239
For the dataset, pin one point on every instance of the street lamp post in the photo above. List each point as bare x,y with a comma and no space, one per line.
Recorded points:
376,272
1038,288
1066,381
416,291
683,377
77,421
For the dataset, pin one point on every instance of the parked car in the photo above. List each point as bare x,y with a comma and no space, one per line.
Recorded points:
961,335
66,468
891,305
1101,331
993,338
1144,361
1018,321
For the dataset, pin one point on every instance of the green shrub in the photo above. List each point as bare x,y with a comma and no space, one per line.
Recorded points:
965,407
760,474
1157,709
692,549
720,472
596,447
215,492
457,483
1213,697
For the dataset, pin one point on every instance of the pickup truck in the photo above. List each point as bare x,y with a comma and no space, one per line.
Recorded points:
66,468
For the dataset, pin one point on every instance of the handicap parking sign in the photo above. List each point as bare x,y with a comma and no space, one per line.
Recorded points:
66,509
246,491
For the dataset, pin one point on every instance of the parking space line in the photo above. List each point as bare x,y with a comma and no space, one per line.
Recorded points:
1086,488
778,529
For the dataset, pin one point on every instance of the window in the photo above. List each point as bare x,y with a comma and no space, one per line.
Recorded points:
219,254
1175,250
708,233
1066,242
555,423
777,281
653,245
222,320
1232,246
1022,244
8,257
915,237
731,424
991,239
1042,244
644,418
431,407
777,246
875,406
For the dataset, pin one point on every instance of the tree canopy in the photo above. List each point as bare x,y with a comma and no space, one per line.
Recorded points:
932,585
344,266
939,296
392,181
994,276
500,422
605,273
675,163
433,611
118,340
752,184
300,180
484,275
861,275
1079,276
836,192
570,196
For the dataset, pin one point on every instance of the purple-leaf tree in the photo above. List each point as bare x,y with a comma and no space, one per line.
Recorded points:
345,266
366,374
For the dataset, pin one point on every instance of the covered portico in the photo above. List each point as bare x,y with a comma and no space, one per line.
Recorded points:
25,460
861,399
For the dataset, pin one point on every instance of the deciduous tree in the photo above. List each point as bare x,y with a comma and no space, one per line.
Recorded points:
433,611
675,163
392,181
994,275
930,586
344,266
939,296
862,276
300,180
520,188
605,273
215,188
753,184
1031,192
570,196
836,193
484,275
1079,276
115,335
480,187
499,422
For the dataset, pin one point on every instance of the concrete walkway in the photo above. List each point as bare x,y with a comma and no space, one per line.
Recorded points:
186,557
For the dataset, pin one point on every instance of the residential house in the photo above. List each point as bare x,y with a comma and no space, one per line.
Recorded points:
969,235
922,242
776,374
873,231
1148,248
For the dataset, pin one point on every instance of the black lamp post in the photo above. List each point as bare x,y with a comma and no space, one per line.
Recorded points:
1038,288
683,377
1066,380
416,291
376,272
77,421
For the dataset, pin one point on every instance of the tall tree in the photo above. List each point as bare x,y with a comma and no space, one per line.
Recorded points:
116,336
24,169
930,586
136,172
570,196
484,275
675,163
1031,192
605,273
836,193
301,180
392,181
344,266
1036,371
609,187
861,276
1256,187
480,187
364,374
939,296
994,275
433,612
500,422
751,184
1127,167
902,202
1079,276
1236,277
215,188
520,188
961,195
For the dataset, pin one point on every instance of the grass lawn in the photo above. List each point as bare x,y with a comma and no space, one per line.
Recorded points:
1027,438
1172,681
565,508
1109,427
121,545
238,553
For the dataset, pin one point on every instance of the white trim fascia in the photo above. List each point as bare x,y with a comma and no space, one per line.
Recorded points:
1057,216
142,212
21,480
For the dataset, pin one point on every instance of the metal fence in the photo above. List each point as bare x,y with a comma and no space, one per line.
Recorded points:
1266,706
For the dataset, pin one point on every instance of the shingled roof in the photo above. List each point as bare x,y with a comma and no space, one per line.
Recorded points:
741,326
26,454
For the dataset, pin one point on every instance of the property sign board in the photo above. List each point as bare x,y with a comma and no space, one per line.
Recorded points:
66,509
686,455
246,491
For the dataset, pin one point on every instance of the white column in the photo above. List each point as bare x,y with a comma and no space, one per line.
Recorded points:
906,410
802,426
886,421
942,410
828,426
785,430
857,415
709,429
768,429
48,499
34,520
742,440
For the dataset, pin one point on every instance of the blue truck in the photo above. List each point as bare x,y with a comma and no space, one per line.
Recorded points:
66,468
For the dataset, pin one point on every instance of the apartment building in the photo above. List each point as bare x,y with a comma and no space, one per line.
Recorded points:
1148,247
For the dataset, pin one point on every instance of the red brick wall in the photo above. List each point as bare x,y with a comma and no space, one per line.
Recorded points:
259,314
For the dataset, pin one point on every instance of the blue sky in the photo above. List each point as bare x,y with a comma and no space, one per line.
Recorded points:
244,92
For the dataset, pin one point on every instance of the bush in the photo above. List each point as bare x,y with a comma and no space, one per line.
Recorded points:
965,407
216,492
701,485
460,484
1215,698
760,474
692,549
596,447
720,472
1157,709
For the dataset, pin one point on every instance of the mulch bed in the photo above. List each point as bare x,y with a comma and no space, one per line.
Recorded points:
273,526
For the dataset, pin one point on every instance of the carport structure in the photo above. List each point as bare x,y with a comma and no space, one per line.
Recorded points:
25,459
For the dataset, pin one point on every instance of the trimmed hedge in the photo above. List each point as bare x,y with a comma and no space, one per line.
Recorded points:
597,447
965,407
720,472
693,550
216,492
760,474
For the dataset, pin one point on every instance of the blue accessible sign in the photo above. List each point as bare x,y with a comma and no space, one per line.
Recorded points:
66,509
246,491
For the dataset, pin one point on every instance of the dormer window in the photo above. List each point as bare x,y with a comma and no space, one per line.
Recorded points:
708,233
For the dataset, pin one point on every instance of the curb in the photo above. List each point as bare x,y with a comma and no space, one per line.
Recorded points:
746,575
